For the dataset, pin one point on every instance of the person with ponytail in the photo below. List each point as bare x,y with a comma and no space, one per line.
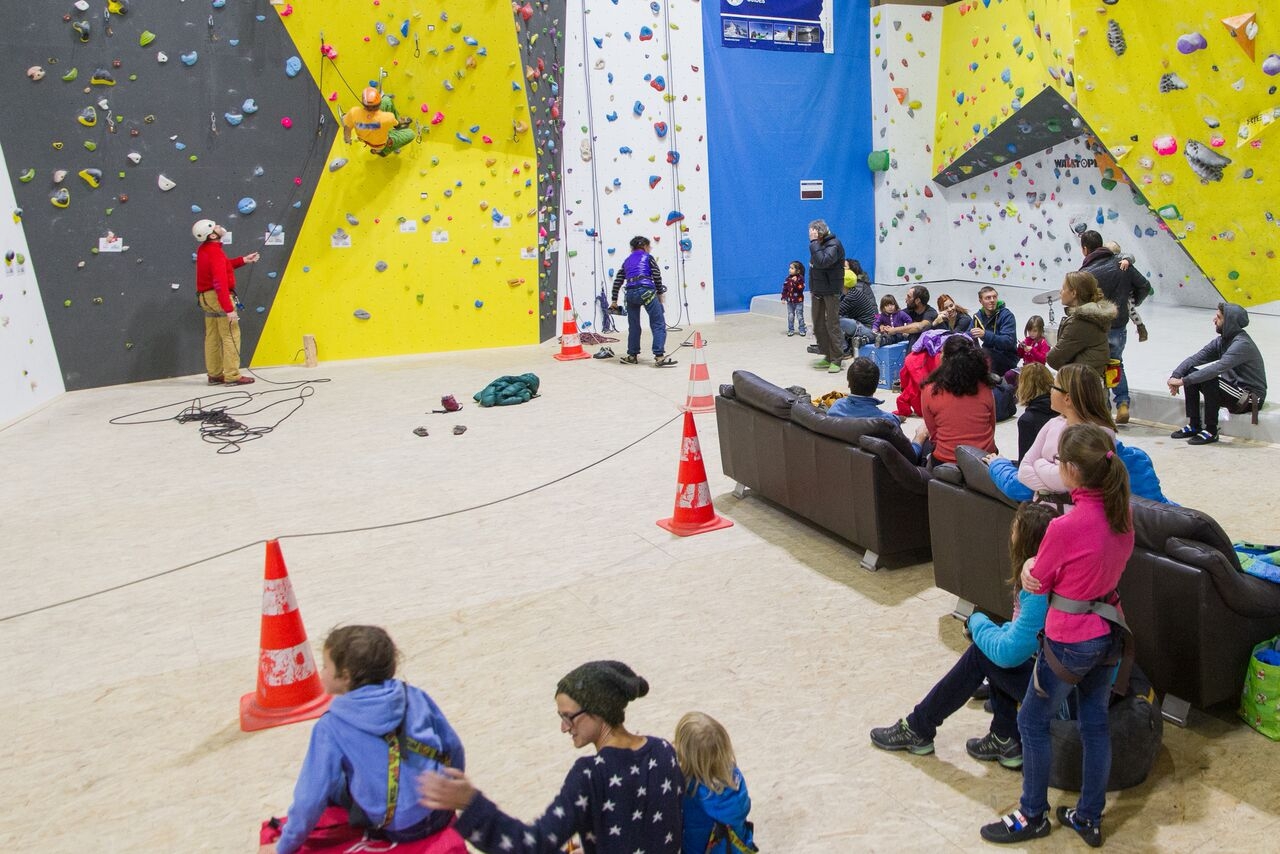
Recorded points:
1078,566
625,798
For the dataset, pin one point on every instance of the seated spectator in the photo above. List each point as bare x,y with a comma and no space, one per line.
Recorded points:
1228,371
857,307
1004,655
889,324
591,701
952,317
864,379
1082,335
1035,386
994,325
958,405
917,365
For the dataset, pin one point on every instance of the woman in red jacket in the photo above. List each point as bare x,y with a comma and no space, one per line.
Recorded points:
215,288
958,405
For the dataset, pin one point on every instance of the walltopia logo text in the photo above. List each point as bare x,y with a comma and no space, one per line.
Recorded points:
1075,162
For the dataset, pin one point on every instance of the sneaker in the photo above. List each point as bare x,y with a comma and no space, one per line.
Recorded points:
991,747
812,348
803,333
1122,413
824,365
833,368
900,736
239,381
1015,827
1090,831
1184,432
791,333
630,359
215,380
1204,437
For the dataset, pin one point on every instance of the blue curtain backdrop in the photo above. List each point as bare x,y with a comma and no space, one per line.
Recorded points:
773,119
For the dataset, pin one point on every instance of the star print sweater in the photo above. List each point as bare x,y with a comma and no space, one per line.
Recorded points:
618,802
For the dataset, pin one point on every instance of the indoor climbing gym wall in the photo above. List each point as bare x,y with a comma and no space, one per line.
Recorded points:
636,153
434,247
29,374
1175,107
137,119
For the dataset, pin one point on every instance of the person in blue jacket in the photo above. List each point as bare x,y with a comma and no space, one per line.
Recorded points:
864,378
997,329
716,802
365,751
1004,655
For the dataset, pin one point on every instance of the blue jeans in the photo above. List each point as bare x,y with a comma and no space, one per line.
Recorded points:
795,317
1115,342
954,690
854,329
1084,658
636,298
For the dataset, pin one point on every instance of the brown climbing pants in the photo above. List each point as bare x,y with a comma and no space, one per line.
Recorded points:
221,340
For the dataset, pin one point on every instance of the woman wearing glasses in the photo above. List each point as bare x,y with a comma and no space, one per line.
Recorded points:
626,797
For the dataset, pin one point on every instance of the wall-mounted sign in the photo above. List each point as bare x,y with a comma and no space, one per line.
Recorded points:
797,26
811,191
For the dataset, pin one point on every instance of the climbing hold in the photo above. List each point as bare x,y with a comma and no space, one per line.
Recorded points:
351,220
71,75
1191,42
35,73
292,66
58,175
674,216
162,57
189,59
660,128
246,206
1171,83
82,28
613,116
1115,37
258,171
479,303
437,118
659,83
61,198
878,161
1165,145
146,38
637,108
673,157
337,163
361,314
653,181
166,184
381,266
233,119
90,145
645,34
465,139
102,77
286,123
92,177
1270,65
1205,162
27,176
249,107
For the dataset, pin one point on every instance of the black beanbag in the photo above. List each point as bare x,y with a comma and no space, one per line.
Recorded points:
1136,732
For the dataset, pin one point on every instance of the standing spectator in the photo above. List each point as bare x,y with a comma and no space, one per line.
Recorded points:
216,293
793,298
958,405
1120,287
643,279
826,262
857,306
995,326
1034,347
1082,334
1228,371
1126,261
716,802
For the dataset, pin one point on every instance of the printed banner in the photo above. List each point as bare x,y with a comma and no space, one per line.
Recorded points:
788,25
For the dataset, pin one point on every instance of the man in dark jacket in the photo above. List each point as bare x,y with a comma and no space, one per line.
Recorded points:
857,306
826,281
1228,371
1118,286
997,329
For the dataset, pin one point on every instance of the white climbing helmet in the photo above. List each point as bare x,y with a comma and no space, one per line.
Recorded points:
202,229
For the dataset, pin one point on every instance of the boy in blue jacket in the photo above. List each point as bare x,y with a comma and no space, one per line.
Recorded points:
365,752
1003,655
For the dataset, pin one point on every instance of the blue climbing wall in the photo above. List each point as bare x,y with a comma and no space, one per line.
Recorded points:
775,119
176,106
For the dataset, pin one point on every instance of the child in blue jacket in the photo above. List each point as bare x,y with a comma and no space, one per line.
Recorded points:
716,802
374,722
1004,655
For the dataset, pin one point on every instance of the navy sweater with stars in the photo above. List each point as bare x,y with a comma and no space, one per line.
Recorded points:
618,802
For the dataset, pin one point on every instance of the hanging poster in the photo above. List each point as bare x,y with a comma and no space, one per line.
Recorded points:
788,25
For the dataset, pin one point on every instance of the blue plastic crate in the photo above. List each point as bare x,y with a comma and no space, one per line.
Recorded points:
890,360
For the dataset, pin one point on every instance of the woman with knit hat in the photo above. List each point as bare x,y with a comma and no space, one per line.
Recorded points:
626,797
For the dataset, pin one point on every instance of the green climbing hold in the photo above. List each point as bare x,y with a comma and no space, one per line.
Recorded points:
90,145
1108,183
902,271
71,75
1170,212
878,161
1233,275
146,38
66,303
27,176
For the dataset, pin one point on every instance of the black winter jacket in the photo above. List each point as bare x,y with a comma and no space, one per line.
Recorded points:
1117,285
826,266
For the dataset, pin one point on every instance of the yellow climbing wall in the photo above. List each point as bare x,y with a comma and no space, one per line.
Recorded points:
450,220
1144,76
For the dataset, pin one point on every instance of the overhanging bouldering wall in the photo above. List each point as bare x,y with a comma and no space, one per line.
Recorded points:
134,125
435,247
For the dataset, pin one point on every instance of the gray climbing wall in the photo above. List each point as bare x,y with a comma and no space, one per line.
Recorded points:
130,315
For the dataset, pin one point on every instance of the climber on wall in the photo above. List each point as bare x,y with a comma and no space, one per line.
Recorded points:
377,124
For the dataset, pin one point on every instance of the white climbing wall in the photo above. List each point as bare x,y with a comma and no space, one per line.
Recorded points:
29,373
635,93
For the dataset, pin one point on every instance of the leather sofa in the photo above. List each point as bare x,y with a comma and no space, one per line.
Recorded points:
855,477
1195,616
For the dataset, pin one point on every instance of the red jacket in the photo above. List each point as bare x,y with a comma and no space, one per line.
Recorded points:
216,272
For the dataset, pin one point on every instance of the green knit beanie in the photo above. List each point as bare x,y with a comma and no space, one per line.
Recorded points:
603,688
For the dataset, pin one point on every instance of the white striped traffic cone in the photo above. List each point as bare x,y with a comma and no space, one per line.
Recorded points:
699,398
570,343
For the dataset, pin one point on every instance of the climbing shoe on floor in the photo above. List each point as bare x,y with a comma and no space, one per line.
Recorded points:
1015,827
1184,432
1090,831
1204,437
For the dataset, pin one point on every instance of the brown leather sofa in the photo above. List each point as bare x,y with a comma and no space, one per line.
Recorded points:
855,477
1195,616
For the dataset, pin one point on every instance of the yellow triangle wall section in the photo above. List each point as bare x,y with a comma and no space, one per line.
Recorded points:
451,218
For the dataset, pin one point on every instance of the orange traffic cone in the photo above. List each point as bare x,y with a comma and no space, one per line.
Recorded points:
699,398
289,688
570,345
694,513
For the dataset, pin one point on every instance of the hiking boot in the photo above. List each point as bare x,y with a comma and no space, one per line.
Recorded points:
1184,432
630,359
824,365
900,736
991,747
1204,437
1142,332
1015,827
1122,413
1090,831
